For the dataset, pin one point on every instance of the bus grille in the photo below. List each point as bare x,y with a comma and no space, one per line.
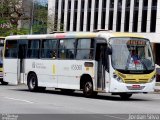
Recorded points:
131,88
136,81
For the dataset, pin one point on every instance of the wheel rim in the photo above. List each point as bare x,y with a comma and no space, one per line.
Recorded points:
88,87
32,82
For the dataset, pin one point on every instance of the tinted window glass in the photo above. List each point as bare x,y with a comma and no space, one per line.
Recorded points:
85,49
66,48
33,48
49,49
11,49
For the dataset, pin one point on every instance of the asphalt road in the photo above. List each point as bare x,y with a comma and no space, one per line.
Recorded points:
18,100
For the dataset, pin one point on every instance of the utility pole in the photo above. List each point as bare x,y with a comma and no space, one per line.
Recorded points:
32,17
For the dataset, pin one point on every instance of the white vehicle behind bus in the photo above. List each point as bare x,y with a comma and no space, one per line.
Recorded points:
1,60
89,61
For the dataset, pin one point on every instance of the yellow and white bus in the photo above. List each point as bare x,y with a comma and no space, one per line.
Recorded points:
1,59
89,61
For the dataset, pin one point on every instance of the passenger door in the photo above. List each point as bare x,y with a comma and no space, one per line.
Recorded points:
22,50
11,62
102,67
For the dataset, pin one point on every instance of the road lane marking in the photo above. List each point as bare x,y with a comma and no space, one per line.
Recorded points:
19,100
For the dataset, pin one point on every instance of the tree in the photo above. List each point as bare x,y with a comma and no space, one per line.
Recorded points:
40,17
12,12
16,17
43,20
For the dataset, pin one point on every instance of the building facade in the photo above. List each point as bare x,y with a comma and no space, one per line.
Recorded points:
36,11
142,16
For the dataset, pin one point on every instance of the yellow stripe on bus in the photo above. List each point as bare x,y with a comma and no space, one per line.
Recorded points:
119,34
54,69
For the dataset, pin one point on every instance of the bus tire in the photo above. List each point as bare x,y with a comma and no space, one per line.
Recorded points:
32,82
4,83
88,89
125,96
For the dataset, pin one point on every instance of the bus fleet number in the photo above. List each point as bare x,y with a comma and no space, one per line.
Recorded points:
76,67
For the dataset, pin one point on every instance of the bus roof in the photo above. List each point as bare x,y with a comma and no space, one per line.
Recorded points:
75,34
2,37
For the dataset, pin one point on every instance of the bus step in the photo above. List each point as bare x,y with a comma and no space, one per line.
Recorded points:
100,90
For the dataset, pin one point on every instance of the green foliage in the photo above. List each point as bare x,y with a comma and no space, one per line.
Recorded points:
11,11
40,18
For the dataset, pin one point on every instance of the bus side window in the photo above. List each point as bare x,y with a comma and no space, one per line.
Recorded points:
85,49
67,48
11,49
33,48
49,49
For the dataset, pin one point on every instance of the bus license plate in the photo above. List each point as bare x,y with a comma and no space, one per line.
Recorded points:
136,86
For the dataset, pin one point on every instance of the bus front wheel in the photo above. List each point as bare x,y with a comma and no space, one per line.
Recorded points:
88,89
4,83
32,82
125,96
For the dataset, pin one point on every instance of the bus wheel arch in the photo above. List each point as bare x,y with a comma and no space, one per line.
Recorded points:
32,81
86,84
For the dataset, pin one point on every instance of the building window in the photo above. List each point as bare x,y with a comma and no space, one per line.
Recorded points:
110,22
89,14
56,15
103,14
62,16
96,14
75,15
127,15
153,16
135,16
76,4
82,15
144,16
68,15
119,14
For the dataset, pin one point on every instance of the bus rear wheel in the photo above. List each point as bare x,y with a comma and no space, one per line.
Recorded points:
125,96
32,82
88,89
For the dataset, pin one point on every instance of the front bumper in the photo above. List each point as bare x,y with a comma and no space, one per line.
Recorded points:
117,87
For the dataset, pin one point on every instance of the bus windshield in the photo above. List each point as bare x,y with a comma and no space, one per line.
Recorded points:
132,54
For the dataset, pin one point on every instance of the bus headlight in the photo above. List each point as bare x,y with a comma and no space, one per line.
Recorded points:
119,79
152,79
114,75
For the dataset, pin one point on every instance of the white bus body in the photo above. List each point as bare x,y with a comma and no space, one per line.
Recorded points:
102,70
